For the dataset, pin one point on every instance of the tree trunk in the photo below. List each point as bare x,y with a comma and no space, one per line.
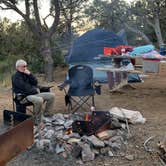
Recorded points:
158,31
46,52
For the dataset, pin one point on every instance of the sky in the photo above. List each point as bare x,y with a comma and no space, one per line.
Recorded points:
13,16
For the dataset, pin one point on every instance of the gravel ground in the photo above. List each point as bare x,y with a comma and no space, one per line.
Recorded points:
148,98
34,157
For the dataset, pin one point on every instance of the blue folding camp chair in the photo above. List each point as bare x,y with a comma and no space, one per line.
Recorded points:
81,88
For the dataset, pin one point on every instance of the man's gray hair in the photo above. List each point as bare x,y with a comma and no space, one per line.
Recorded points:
20,62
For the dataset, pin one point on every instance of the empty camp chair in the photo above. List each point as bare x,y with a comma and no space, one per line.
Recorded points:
81,88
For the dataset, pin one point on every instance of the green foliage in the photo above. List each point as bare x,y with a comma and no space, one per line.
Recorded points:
147,12
17,42
7,68
108,14
58,59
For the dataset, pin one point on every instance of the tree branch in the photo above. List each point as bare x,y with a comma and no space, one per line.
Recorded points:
44,20
37,17
12,6
56,18
150,23
5,8
27,7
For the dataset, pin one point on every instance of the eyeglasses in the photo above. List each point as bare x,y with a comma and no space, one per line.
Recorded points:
24,66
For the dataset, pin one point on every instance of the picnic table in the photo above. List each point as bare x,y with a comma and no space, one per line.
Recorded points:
117,77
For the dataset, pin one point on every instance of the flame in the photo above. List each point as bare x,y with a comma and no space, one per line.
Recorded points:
69,131
87,117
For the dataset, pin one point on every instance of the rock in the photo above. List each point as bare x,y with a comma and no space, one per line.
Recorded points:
64,154
74,135
59,149
115,124
110,154
79,162
116,146
68,124
57,128
104,151
76,151
68,148
96,151
66,137
46,119
36,135
115,138
59,134
73,140
129,157
106,143
66,116
123,126
49,134
58,116
104,135
95,141
48,124
58,122
44,144
87,154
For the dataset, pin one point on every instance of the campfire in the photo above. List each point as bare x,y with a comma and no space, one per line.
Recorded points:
93,123
82,135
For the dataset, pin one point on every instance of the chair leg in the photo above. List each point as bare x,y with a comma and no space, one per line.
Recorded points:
79,104
20,108
70,107
93,101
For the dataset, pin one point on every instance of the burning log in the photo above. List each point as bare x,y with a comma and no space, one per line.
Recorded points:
69,131
97,122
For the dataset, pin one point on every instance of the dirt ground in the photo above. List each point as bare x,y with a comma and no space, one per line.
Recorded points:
149,98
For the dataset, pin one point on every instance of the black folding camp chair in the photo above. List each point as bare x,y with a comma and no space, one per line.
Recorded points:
80,94
20,102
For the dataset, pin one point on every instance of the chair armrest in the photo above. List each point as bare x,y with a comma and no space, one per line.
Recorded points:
19,96
62,86
45,88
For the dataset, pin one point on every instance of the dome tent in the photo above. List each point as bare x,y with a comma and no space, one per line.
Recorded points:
88,46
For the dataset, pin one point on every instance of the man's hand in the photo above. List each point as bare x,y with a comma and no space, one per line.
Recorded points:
26,71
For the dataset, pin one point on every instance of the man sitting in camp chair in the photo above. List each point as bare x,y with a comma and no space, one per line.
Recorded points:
81,88
24,82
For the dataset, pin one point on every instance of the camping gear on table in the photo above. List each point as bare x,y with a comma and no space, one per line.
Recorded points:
163,49
141,50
